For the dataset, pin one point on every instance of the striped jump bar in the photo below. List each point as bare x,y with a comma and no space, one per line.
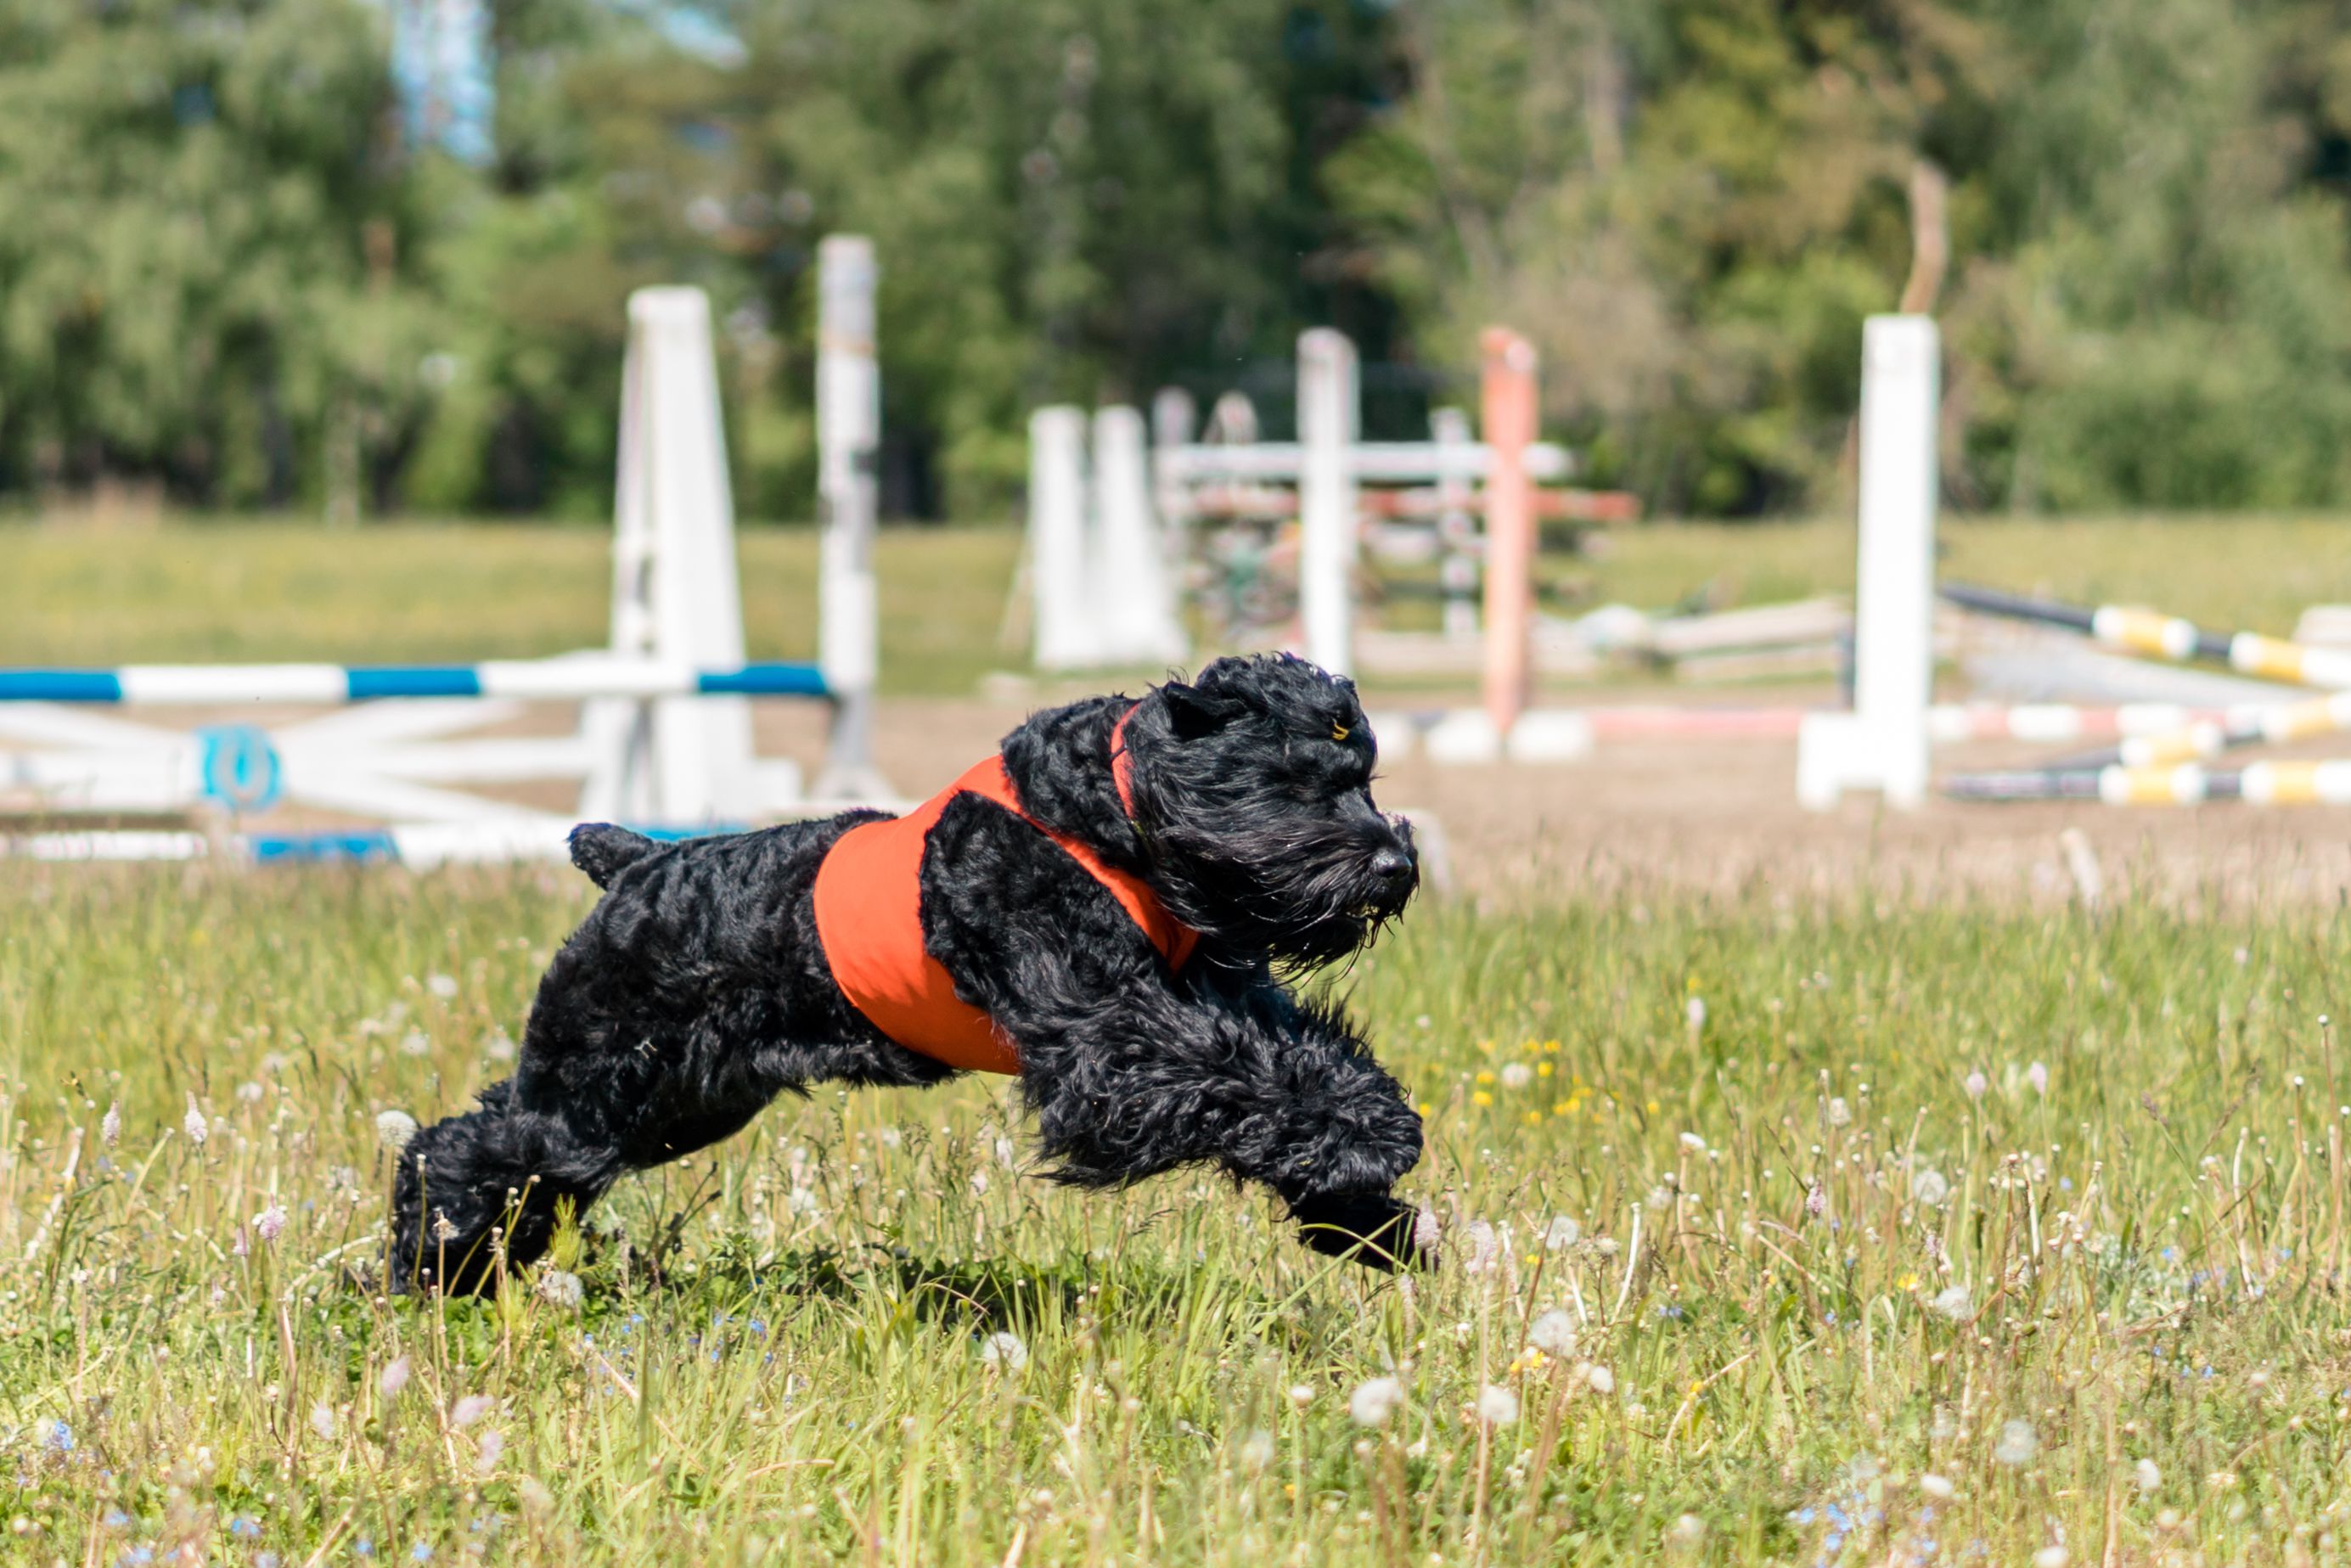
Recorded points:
545,680
2325,782
2149,632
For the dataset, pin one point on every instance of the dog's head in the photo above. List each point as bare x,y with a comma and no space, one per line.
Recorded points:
1252,790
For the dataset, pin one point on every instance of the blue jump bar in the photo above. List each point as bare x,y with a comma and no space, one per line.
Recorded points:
553,680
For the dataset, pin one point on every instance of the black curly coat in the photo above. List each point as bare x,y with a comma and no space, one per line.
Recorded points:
697,989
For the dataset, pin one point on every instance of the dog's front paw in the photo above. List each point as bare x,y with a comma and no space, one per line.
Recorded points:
1374,1228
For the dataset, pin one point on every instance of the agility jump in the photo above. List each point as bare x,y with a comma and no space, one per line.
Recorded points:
664,737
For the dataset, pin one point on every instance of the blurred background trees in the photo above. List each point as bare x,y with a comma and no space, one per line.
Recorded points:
310,253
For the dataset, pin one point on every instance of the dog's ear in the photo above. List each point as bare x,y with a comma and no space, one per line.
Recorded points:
1193,713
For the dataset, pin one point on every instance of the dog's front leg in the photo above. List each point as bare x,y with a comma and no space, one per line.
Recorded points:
1272,1093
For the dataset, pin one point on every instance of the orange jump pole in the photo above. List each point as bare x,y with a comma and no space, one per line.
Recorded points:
1507,400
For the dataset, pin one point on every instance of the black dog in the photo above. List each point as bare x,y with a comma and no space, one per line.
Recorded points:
698,989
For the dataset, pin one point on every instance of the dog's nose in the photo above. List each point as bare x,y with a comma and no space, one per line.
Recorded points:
1390,864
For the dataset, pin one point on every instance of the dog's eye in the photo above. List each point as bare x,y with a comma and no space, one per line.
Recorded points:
1339,731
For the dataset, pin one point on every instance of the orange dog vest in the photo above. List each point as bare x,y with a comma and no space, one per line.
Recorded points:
869,916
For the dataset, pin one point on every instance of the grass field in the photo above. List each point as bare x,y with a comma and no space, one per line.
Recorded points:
1897,1236
235,590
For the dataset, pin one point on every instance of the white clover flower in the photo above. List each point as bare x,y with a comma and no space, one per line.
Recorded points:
393,1129
1563,1233
1600,1379
109,1127
270,1223
1929,1186
470,1409
1256,1450
1517,1075
392,1378
1553,1332
2144,1475
2017,1444
1373,1402
559,1289
442,985
1694,1012
1953,1301
1937,1487
1693,1142
322,1421
1004,1350
1497,1405
194,1124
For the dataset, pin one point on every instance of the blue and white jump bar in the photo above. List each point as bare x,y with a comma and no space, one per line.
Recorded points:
538,680
420,846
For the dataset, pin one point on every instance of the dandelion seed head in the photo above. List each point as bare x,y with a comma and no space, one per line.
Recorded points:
1374,1402
1553,1333
442,985
1562,1234
1600,1379
393,1129
322,1421
2017,1444
1928,1187
2038,1076
1953,1301
1497,1405
559,1289
1256,1450
1937,1487
1975,1084
109,1127
2145,1475
1003,1350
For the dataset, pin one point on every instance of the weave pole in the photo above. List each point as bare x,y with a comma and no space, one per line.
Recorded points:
2152,634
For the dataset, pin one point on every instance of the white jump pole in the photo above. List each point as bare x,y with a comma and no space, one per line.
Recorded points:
1328,414
1057,575
1881,744
1457,528
675,597
848,435
1134,595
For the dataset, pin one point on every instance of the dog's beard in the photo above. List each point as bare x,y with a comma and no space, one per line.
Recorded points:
1300,899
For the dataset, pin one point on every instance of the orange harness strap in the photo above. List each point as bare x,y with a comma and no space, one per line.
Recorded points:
869,917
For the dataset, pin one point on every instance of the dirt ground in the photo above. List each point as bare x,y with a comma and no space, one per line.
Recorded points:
1715,816
1720,816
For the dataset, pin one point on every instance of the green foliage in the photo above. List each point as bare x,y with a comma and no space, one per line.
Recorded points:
221,270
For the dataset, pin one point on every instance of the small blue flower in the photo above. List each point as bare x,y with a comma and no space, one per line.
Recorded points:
61,1439
1804,1516
364,1546
244,1525
2065,1184
2167,1254
420,1553
760,1328
116,1518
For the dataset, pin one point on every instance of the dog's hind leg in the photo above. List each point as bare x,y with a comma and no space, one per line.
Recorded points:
489,1182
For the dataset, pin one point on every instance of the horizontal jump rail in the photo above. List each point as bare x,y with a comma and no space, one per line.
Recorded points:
1378,461
545,680
2152,634
2325,782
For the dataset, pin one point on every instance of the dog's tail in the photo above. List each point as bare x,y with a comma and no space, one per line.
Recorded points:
604,851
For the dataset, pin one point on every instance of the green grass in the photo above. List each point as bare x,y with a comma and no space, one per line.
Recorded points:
278,590
2138,1258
